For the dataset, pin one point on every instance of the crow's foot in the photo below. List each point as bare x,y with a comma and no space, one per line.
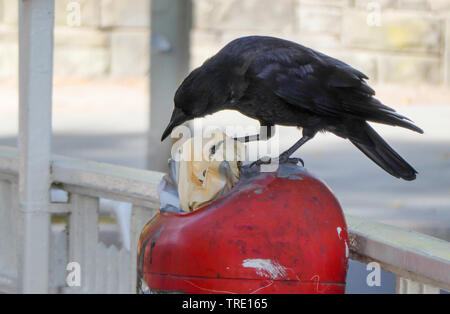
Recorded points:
282,159
285,158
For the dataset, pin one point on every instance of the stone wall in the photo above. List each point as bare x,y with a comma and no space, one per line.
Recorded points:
392,41
110,38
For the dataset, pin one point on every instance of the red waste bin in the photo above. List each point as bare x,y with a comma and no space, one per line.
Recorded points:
281,232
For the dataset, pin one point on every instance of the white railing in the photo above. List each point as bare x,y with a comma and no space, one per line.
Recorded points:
105,270
421,263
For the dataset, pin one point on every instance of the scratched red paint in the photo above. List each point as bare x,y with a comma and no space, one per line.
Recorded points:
270,235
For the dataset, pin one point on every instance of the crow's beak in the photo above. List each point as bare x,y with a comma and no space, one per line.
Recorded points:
178,117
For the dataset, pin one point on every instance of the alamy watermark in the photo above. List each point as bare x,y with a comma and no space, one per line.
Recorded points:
373,279
73,9
73,278
204,140
374,14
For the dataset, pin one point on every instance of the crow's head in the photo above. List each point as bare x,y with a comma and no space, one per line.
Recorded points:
178,118
206,90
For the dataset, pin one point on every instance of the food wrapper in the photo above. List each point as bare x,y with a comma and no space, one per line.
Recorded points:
201,170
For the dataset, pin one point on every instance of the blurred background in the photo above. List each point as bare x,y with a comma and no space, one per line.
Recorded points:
102,87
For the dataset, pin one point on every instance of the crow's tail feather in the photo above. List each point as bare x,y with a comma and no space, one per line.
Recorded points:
374,147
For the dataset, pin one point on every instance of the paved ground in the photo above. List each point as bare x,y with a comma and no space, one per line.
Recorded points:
106,121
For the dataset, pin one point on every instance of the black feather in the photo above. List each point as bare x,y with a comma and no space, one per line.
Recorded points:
281,82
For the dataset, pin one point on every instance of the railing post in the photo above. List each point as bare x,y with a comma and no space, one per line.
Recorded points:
409,286
8,240
83,240
36,21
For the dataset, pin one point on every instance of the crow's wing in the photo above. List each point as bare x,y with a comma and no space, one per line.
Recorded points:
321,84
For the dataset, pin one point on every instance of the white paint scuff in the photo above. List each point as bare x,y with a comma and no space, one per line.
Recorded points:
266,268
339,230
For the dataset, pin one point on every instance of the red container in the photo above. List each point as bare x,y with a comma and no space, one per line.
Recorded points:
273,233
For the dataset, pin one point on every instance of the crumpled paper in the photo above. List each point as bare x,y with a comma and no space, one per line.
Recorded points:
197,179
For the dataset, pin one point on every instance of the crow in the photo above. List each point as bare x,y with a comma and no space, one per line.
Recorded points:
280,82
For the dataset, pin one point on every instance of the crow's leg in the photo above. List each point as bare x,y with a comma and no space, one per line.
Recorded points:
262,136
248,138
286,156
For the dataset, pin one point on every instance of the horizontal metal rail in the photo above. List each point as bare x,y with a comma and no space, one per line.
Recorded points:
136,186
408,254
405,253
92,178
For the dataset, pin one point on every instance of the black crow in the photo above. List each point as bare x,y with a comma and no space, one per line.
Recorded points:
281,82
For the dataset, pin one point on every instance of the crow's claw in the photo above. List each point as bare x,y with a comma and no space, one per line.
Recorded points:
282,159
263,161
296,161
286,159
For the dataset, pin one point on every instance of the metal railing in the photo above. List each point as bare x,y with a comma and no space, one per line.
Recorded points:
421,262
106,270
